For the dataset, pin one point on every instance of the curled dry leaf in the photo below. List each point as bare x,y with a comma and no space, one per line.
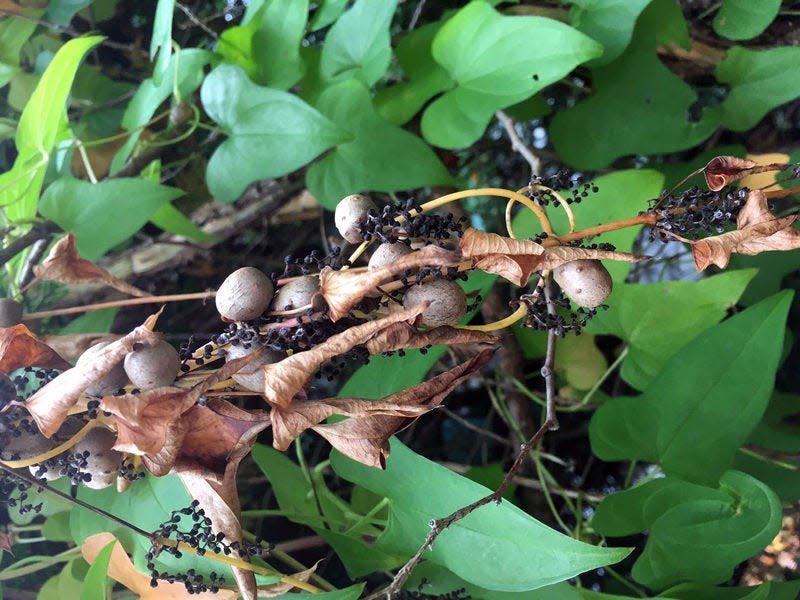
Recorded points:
366,439
20,348
758,230
65,265
6,542
344,289
121,569
71,346
50,405
516,260
724,170
286,378
405,336
281,587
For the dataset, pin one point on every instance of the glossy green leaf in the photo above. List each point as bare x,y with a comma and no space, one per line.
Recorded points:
56,527
161,40
96,585
296,497
637,105
358,44
104,214
724,525
768,590
621,195
423,77
14,33
61,586
475,47
745,19
267,44
386,375
759,81
705,401
169,218
350,593
43,119
271,133
378,156
99,96
657,319
146,504
610,22
149,96
772,268
96,321
781,474
508,549
327,12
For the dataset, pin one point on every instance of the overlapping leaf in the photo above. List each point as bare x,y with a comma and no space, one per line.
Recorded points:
21,348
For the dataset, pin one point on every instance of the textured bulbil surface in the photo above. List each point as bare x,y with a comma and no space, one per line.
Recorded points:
448,303
585,282
244,295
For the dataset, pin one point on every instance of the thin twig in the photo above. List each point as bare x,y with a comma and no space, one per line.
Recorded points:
57,312
517,144
37,249
417,13
472,427
37,232
190,15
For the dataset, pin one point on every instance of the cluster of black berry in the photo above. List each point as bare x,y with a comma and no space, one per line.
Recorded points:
202,539
419,595
314,262
27,381
695,213
577,189
9,484
565,320
426,227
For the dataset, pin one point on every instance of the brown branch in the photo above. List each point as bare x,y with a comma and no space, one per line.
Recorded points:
38,231
517,144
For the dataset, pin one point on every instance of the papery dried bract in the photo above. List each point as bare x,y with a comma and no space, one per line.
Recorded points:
20,348
724,170
285,379
366,439
63,264
404,336
50,405
758,230
515,260
344,289
121,569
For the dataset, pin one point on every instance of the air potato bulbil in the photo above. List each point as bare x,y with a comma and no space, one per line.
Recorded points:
586,282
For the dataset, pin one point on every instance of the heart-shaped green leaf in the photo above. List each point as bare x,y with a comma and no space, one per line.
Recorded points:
610,22
497,61
272,133
706,400
745,19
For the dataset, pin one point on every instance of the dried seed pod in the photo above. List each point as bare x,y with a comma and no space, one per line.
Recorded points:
115,379
101,461
350,212
448,302
586,282
244,295
10,312
388,253
154,366
250,376
296,293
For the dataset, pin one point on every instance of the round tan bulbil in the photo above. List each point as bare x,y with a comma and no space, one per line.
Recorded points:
296,293
250,377
102,462
154,366
244,295
114,379
586,282
350,212
448,302
387,253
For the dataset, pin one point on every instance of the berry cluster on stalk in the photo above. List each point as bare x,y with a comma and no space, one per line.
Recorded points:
695,213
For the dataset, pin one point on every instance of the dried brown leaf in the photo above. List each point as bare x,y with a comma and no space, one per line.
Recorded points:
722,170
50,405
21,348
758,230
281,587
71,346
121,569
402,335
286,378
65,265
516,260
344,289
366,439
6,543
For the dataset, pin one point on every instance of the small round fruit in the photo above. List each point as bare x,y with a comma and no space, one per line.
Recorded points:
296,293
586,282
350,212
250,376
101,461
387,253
244,295
154,366
115,379
10,312
448,302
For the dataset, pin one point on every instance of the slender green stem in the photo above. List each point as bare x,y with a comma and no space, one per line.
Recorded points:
301,459
548,497
629,475
611,368
631,586
23,567
367,518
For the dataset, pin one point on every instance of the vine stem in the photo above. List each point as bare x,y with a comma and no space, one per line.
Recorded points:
72,310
